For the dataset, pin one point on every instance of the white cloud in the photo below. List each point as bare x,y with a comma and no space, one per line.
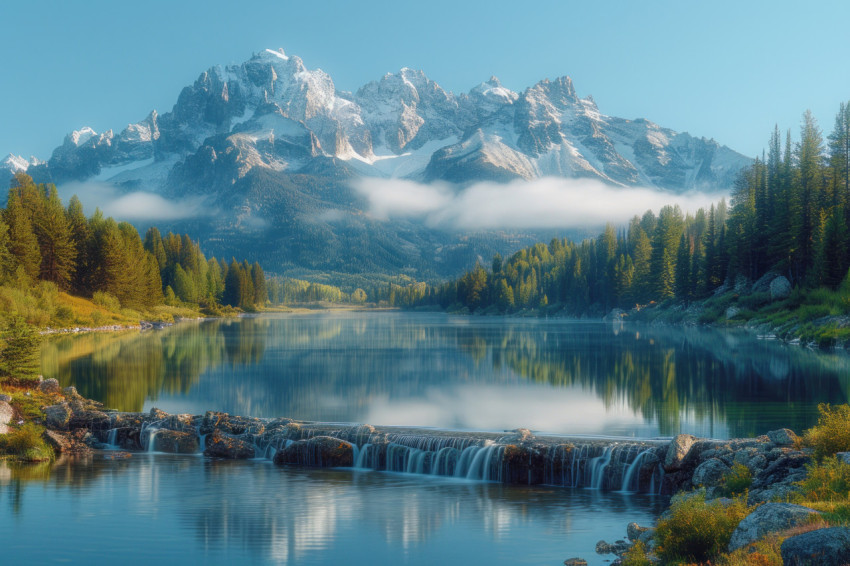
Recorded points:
135,206
541,203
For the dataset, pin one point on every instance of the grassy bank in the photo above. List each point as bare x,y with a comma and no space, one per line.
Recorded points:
696,530
814,317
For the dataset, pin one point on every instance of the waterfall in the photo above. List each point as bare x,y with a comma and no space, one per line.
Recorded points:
630,472
513,457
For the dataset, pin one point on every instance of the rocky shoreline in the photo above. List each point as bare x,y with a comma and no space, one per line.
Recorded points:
682,464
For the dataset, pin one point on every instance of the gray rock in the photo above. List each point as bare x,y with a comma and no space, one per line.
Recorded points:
710,473
6,413
648,539
634,531
780,288
677,451
317,452
71,393
5,398
732,312
763,283
58,442
843,457
219,445
57,416
618,547
776,492
823,547
769,518
176,442
49,386
742,284
575,562
782,437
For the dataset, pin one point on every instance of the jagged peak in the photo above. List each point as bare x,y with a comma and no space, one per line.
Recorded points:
81,136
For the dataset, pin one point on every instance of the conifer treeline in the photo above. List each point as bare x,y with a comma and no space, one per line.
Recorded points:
42,240
789,212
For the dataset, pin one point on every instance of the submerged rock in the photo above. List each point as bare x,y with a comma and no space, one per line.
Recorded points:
769,518
823,547
575,562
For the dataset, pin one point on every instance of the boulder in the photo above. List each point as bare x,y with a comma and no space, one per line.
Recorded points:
5,398
763,283
618,547
787,465
49,386
71,393
843,457
220,445
318,452
710,473
56,417
782,437
95,421
230,424
732,312
769,518
60,443
634,531
176,442
823,547
575,562
676,452
6,414
780,288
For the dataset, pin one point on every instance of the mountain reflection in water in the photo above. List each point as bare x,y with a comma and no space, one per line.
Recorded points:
459,372
193,510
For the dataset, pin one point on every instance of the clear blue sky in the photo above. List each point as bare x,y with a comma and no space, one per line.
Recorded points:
721,69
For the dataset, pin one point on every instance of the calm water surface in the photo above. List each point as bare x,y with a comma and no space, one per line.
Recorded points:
164,509
461,373
388,369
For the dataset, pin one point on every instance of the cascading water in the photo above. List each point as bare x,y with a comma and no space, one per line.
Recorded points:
517,457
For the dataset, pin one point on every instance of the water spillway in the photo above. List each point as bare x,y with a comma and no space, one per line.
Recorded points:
512,457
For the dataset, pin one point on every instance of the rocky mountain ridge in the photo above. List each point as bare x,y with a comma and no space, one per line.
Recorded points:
275,113
268,151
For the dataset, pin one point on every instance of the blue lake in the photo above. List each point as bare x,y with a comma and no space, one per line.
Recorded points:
389,368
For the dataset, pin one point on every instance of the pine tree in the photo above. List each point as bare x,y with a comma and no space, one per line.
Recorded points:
19,350
258,279
23,243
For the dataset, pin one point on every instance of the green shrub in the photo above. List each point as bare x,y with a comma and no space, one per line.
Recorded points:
696,530
832,433
738,480
636,556
107,301
26,443
20,348
828,480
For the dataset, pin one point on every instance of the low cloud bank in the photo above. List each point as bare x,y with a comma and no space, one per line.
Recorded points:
541,203
137,206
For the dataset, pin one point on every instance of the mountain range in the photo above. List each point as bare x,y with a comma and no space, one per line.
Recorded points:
271,148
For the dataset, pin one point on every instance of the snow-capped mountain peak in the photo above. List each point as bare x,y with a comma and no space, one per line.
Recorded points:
274,112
